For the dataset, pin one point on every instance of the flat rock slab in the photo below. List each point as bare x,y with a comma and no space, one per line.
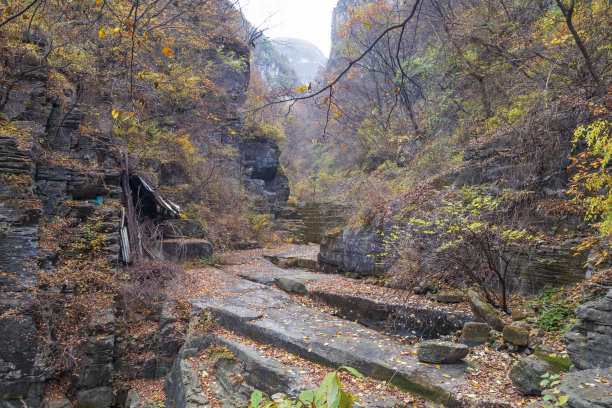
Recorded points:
441,352
270,316
181,250
405,319
303,256
588,388
263,271
301,251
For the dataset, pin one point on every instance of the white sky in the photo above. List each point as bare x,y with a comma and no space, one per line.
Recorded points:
306,19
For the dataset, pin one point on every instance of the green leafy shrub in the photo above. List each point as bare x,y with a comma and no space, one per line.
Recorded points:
329,394
551,393
558,315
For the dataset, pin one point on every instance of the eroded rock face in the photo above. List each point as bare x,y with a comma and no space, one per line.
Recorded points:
36,187
96,367
589,342
260,163
19,376
182,387
170,338
354,249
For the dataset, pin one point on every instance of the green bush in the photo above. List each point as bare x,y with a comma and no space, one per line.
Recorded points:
329,394
558,315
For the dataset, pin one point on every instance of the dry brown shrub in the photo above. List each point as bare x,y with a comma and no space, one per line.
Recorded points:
147,283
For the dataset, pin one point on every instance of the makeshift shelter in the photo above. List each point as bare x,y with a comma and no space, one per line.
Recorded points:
150,202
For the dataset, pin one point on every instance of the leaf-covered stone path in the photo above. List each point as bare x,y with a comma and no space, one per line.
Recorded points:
269,315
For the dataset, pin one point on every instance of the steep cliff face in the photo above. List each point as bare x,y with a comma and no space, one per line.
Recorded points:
273,67
260,161
49,170
304,57
439,150
340,16
588,341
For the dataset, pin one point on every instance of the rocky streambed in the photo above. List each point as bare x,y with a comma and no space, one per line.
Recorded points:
252,325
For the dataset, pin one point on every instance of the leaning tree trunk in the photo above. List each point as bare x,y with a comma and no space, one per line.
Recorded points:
568,12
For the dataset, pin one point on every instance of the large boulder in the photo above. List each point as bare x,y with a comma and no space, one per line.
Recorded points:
444,352
260,162
516,333
484,311
475,334
527,373
588,388
589,342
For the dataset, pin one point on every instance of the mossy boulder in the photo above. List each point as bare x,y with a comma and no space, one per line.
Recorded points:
522,313
559,363
475,334
516,333
484,311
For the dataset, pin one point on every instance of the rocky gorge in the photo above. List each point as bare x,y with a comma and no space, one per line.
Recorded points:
152,253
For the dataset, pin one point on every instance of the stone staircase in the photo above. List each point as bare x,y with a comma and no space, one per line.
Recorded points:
379,308
270,316
276,322
308,222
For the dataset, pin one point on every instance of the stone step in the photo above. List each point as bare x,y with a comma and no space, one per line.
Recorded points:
224,369
183,250
270,316
386,315
293,262
303,256
308,222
